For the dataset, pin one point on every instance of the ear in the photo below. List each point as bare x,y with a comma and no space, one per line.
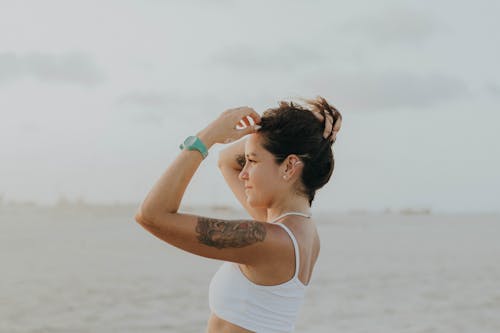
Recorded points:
292,164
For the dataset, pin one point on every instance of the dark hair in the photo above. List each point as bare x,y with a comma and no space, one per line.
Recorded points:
293,129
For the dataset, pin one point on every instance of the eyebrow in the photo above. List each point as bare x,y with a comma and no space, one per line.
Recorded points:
252,154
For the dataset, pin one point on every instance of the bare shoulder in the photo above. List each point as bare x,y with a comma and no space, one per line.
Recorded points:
278,269
303,229
306,234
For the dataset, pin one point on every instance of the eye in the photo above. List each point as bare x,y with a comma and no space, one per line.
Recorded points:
251,161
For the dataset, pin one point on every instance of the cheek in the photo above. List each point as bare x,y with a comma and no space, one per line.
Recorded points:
260,177
263,180
264,188
259,195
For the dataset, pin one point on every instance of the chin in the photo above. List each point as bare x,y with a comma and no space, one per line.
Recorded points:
252,204
256,204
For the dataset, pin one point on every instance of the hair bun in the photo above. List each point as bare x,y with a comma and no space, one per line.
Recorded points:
320,105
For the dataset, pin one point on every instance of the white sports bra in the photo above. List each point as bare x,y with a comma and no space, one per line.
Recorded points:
266,309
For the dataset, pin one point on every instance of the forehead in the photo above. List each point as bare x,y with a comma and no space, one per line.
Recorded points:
252,146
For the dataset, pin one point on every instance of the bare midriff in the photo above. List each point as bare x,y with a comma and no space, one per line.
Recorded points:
219,325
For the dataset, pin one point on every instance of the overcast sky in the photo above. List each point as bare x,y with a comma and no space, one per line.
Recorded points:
96,96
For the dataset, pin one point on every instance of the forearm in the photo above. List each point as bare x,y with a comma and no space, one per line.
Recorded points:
233,156
166,194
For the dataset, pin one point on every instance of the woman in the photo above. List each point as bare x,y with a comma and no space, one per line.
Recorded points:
274,173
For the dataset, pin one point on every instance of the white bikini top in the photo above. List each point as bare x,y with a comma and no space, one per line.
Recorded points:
258,308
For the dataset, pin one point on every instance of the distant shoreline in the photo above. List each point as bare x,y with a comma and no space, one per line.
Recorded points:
81,206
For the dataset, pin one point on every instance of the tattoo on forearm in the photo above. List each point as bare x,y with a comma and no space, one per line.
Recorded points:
240,159
223,234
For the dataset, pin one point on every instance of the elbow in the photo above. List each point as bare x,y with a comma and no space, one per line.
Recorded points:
220,162
141,219
145,216
138,218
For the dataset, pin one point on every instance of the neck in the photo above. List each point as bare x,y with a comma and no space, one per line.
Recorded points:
300,205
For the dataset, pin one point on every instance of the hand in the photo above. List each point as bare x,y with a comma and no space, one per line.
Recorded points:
224,128
329,126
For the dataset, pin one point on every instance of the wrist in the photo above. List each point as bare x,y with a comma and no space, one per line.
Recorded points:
206,138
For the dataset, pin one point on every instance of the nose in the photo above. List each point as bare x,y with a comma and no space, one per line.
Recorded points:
243,174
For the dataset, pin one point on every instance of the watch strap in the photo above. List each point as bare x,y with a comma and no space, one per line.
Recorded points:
196,144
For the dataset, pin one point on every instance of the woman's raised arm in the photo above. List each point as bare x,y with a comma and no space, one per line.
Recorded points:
231,162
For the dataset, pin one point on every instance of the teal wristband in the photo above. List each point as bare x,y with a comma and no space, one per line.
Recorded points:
194,143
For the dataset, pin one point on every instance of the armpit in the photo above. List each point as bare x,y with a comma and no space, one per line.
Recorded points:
240,159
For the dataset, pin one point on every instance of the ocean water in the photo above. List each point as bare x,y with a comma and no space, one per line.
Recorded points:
94,269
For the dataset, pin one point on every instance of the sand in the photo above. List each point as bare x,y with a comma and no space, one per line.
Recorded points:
88,269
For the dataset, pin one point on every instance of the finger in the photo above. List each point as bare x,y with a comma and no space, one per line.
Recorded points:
255,116
246,111
243,123
328,126
334,136
317,115
240,114
245,131
337,125
246,121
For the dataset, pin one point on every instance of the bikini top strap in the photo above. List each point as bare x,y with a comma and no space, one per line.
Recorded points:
295,247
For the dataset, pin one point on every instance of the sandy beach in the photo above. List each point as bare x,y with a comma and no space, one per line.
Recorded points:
94,269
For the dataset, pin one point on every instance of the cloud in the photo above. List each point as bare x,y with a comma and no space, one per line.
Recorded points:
393,26
154,106
384,90
73,68
492,88
148,99
281,58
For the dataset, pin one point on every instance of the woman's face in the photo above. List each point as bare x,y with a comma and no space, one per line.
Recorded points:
261,173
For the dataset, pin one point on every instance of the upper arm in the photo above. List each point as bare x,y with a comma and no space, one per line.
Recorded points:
238,188
242,241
